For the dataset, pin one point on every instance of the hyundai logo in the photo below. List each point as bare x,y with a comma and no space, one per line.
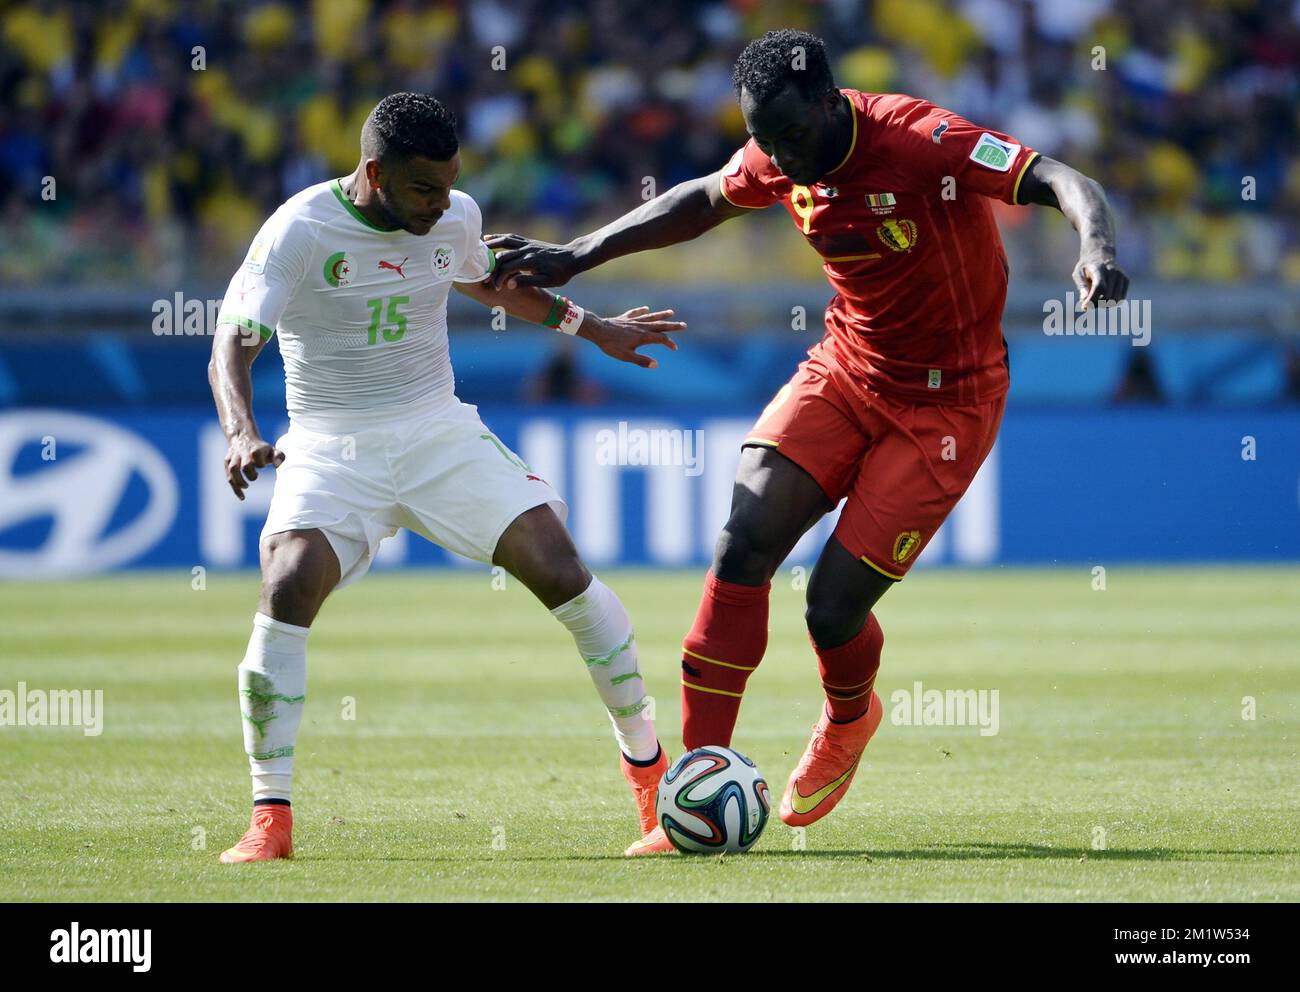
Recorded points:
82,490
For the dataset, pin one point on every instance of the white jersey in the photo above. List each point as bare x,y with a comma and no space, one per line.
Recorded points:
361,312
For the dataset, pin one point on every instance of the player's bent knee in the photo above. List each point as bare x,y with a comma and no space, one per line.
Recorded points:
555,577
534,538
831,624
537,549
568,579
298,552
298,571
745,554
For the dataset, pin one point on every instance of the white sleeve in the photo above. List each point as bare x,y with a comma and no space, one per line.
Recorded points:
479,258
276,262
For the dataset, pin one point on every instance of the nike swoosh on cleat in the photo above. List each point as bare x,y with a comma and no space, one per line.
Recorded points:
802,804
643,844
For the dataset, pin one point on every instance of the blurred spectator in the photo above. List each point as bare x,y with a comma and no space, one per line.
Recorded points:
1139,383
561,381
1291,387
171,130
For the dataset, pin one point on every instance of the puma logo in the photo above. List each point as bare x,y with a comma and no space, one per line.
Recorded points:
396,268
937,133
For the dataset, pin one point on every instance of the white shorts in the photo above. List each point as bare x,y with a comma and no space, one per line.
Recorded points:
445,477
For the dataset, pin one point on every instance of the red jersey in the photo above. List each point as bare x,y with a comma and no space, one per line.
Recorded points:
915,259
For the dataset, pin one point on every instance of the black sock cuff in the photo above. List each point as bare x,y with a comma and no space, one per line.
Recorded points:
854,720
271,802
648,762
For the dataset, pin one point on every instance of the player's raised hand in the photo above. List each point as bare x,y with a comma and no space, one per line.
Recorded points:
621,336
1099,281
245,456
524,262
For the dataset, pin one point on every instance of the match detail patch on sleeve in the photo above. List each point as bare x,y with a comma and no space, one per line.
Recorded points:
255,262
993,153
733,166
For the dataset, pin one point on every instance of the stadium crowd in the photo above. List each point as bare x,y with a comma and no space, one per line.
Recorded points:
170,129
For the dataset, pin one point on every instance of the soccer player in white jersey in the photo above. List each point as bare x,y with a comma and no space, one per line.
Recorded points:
353,274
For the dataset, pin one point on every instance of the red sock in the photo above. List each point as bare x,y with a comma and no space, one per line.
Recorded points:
849,671
725,644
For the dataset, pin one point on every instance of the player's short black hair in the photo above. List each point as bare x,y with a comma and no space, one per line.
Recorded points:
779,57
404,125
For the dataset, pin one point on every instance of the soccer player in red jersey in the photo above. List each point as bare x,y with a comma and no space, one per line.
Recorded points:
898,404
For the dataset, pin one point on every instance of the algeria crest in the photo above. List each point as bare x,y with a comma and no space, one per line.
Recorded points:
338,269
441,262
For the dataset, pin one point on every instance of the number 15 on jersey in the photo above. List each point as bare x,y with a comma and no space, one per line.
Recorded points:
393,322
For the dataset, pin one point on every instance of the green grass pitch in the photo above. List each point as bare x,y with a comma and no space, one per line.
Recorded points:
480,764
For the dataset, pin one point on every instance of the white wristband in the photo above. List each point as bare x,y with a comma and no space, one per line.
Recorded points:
572,319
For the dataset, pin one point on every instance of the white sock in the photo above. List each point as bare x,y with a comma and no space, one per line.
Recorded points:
272,688
603,632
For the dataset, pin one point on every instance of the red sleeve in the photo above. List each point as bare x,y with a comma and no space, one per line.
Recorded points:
979,159
746,179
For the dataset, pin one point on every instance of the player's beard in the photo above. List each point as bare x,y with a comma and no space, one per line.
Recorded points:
392,218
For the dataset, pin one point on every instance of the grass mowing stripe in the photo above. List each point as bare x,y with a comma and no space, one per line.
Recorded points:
476,768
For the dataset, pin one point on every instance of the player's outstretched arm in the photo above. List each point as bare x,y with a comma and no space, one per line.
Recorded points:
686,211
233,351
1083,201
619,337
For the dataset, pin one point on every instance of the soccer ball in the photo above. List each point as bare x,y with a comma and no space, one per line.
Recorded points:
713,800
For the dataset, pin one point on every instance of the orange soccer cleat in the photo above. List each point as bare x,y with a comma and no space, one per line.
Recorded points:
269,836
827,767
645,790
655,842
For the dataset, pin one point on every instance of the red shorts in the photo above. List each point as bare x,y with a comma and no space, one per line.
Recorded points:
902,465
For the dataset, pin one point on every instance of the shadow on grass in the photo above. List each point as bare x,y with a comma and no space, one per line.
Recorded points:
987,851
972,851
